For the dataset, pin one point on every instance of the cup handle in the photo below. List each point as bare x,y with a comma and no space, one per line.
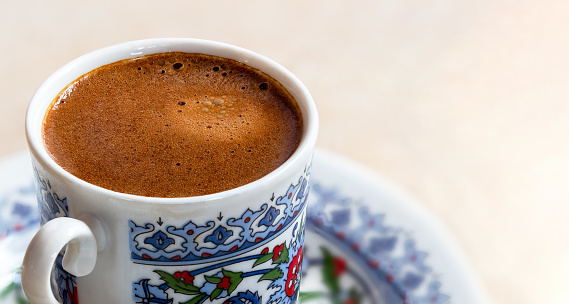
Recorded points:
79,259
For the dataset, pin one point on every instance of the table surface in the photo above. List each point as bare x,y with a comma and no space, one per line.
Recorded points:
462,103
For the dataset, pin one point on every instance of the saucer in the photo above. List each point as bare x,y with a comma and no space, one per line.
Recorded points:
366,240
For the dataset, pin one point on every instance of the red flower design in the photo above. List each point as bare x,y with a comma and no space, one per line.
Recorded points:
184,276
293,277
277,251
225,283
265,250
18,227
339,266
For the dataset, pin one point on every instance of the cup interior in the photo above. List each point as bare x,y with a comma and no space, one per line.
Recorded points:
49,90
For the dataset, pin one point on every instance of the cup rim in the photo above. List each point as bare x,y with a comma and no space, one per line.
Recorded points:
137,48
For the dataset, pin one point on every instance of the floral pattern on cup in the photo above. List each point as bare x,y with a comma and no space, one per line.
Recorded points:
279,268
158,243
225,259
51,205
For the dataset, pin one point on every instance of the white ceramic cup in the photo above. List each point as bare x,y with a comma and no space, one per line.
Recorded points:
240,245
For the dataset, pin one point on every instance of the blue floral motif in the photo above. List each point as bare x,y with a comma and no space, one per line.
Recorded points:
21,209
50,204
144,293
374,221
246,222
216,239
219,236
412,257
244,297
300,194
270,217
412,280
382,244
341,217
292,203
434,296
159,240
394,264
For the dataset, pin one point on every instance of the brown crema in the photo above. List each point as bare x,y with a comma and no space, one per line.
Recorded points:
172,125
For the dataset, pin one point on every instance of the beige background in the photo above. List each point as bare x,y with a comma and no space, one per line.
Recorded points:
463,103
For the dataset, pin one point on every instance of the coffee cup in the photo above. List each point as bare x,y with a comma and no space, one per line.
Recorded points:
102,246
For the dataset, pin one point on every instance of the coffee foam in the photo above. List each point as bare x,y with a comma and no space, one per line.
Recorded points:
172,125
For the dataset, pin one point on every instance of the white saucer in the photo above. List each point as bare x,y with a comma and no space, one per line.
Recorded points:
367,241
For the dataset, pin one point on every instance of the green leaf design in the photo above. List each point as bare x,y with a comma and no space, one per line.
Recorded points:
301,228
178,285
214,280
275,273
196,300
310,295
215,293
328,272
234,277
263,259
283,258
